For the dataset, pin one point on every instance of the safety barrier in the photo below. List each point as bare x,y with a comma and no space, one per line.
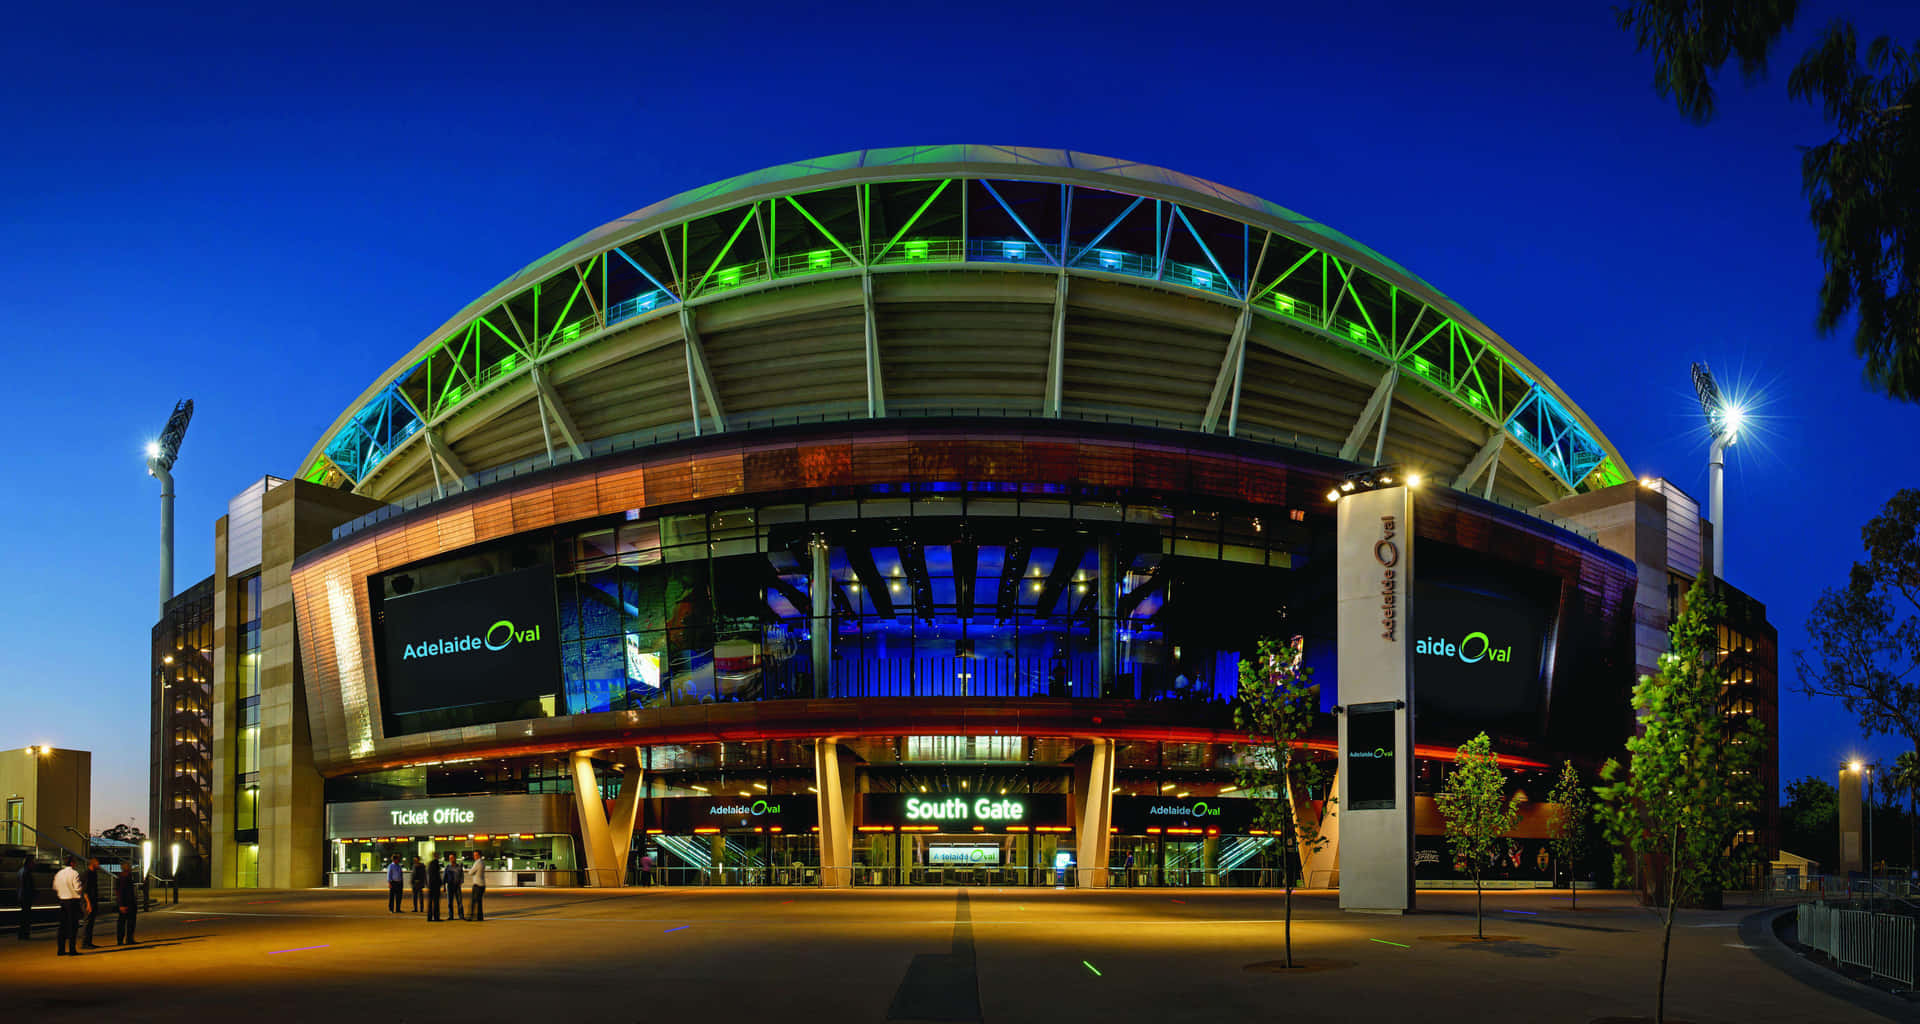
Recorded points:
1882,943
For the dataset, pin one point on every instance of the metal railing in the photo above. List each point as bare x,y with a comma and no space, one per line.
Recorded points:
1884,944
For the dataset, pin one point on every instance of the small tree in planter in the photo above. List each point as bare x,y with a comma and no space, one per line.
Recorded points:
1693,774
1572,805
1275,708
1479,812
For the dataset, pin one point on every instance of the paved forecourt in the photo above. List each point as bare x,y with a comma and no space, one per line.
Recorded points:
932,954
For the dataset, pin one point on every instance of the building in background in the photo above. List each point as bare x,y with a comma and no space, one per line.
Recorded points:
180,790
901,517
46,796
1661,528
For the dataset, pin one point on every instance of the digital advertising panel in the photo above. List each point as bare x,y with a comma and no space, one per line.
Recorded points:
491,640
1478,654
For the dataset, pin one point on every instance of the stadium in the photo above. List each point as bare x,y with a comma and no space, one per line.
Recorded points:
903,517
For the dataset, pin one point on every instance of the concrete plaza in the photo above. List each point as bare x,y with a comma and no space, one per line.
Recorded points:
928,954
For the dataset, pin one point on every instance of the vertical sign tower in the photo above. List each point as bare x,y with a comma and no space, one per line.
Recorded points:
1373,593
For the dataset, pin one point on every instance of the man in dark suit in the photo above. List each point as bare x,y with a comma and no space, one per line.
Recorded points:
126,899
24,886
453,877
433,891
90,878
419,882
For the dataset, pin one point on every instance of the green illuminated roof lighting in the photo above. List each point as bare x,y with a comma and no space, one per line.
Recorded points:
1423,366
1357,332
917,249
819,259
729,277
1283,303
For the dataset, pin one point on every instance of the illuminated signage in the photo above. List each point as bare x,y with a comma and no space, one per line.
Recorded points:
755,809
488,641
1386,551
966,812
957,809
435,816
497,637
971,855
1472,648
1372,782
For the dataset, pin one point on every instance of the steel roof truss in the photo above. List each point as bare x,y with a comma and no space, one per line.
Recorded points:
1021,223
1208,252
822,228
1104,232
911,221
671,293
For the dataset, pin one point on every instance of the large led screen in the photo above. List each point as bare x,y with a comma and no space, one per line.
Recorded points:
1478,653
489,641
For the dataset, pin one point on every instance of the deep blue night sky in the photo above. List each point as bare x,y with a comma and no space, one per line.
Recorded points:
263,209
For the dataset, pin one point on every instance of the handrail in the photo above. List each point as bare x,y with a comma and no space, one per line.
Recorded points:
56,840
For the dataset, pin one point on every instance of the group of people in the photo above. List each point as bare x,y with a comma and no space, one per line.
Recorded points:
430,877
75,890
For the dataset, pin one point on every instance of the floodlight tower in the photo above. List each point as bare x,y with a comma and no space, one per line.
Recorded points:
1723,425
160,456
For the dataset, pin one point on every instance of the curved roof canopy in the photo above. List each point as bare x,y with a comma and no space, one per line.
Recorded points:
965,279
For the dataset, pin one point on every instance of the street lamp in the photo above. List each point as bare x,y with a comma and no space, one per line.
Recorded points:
1724,420
160,455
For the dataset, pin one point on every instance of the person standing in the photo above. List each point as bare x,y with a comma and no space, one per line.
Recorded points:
66,889
433,891
126,899
477,887
24,884
90,884
396,877
1126,873
453,877
419,882
646,868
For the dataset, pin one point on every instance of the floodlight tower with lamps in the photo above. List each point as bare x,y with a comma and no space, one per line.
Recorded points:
160,456
1723,425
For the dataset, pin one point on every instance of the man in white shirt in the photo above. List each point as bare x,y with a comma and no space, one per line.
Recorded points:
69,891
477,887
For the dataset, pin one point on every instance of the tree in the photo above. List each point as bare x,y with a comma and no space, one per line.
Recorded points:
1572,805
1692,777
1866,635
1904,780
124,833
1862,185
1479,812
1275,708
1809,820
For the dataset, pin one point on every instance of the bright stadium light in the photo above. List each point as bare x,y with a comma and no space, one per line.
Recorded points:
160,456
1724,420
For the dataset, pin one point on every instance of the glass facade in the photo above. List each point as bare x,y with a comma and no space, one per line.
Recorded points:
940,594
246,730
180,801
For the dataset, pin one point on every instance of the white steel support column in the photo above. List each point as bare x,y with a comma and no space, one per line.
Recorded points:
551,405
626,808
876,385
1371,414
820,628
1485,457
600,871
1057,349
833,782
1093,786
699,376
1226,383
437,449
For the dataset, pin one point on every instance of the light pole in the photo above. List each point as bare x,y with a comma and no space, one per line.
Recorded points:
1723,425
160,456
